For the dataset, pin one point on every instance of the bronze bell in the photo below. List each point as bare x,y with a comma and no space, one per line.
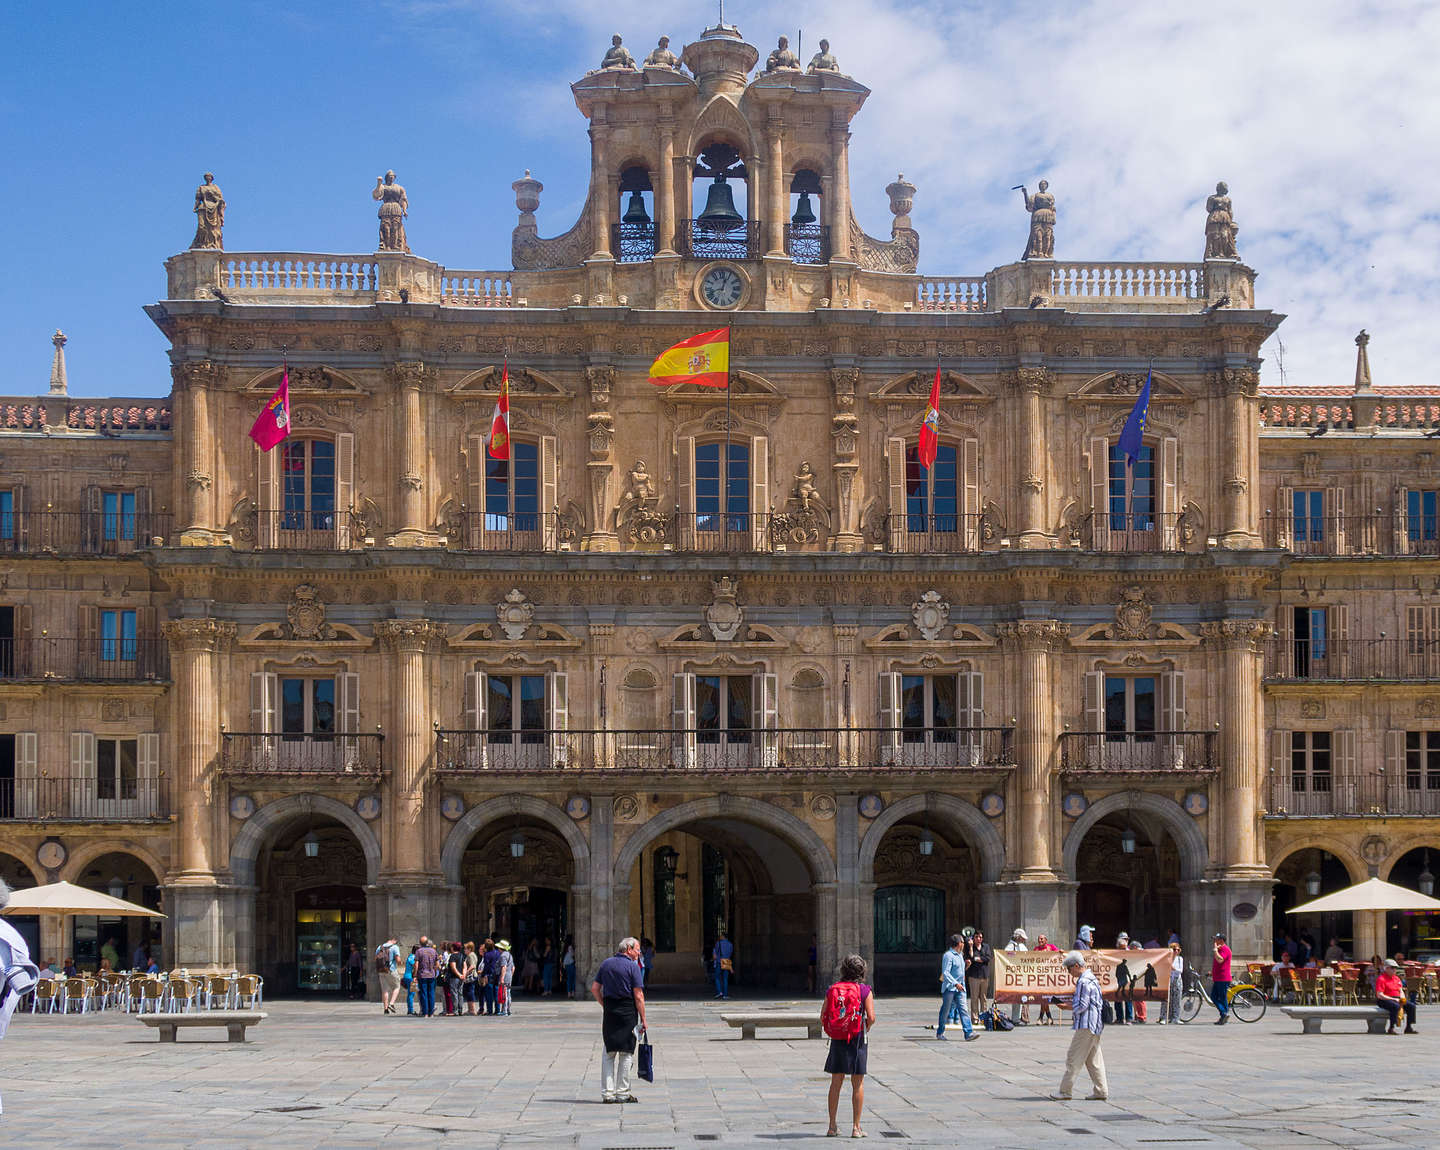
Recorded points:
635,213
804,214
720,206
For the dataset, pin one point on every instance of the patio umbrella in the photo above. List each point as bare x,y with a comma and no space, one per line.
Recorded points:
1372,894
66,898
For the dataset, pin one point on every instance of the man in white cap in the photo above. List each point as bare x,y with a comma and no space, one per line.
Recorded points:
1086,1008
1019,940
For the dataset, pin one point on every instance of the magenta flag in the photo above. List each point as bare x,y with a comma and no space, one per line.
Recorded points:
272,425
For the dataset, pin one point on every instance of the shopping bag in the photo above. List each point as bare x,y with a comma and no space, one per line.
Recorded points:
646,1061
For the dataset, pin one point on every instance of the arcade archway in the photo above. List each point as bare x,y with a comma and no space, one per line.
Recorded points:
126,942
1415,934
1301,876
19,876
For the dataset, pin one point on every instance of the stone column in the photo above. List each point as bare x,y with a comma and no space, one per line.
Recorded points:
601,181
849,937
1240,743
840,214
777,187
1241,387
1034,740
195,441
410,741
409,378
665,191
1030,385
603,934
603,534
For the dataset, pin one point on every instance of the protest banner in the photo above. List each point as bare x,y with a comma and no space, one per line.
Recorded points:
1030,975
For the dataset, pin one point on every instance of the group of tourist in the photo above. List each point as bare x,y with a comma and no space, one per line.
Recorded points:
451,979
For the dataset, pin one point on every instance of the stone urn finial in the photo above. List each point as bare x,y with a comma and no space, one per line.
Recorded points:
527,197
902,199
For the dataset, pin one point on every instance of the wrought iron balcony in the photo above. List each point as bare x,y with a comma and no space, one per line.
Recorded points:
1377,533
808,243
705,241
307,530
1373,793
1339,660
632,243
781,749
935,534
82,532
1137,752
256,753
116,660
50,798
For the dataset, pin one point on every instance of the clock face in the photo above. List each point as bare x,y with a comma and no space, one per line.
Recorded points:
722,287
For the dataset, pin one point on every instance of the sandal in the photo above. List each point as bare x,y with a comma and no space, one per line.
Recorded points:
832,1133
858,1133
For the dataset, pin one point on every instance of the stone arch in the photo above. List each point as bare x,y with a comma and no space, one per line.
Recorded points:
1194,855
36,873
260,827
470,823
721,120
1404,846
976,828
795,833
1356,867
88,852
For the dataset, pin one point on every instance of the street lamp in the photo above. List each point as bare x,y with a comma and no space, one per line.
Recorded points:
1427,880
1312,883
117,887
927,842
312,845
1127,841
517,846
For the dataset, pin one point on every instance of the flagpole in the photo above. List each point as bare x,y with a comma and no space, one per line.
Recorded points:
729,375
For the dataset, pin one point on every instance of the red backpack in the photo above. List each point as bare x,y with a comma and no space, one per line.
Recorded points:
843,1016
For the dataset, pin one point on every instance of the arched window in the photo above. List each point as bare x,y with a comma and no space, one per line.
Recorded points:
1135,507
307,471
633,240
936,509
306,487
807,239
720,229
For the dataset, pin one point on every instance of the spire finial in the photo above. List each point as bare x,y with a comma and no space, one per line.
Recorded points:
58,383
1362,361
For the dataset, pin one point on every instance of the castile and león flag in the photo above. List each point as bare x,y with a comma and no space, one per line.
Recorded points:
272,425
499,442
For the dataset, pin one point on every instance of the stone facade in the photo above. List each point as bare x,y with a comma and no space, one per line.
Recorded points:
378,685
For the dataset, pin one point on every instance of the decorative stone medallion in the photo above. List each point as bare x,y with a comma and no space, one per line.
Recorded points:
930,614
577,807
51,854
993,805
241,806
822,806
1373,849
305,616
514,614
1196,803
725,614
368,807
871,805
626,808
452,807
1132,615
1074,805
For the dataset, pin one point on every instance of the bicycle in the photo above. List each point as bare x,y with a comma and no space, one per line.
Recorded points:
1246,1001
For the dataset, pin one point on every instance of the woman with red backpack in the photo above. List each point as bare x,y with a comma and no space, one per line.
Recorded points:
846,1017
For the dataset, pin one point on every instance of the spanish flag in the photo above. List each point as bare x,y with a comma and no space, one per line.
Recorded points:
702,359
500,421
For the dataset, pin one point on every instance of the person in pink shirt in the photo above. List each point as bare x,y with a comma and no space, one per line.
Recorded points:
1220,979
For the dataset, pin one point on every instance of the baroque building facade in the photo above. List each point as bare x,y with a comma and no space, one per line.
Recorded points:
695,659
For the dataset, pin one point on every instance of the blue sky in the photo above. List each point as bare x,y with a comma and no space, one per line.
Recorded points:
1323,117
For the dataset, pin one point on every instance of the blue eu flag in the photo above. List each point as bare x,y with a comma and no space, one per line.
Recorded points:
1132,437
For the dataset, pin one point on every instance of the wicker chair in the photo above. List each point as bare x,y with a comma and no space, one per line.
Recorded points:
219,990
183,994
152,995
76,994
46,998
247,992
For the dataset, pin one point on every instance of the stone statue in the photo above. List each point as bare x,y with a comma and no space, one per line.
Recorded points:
805,492
639,492
209,214
822,61
782,59
1041,206
662,57
394,207
1220,227
618,56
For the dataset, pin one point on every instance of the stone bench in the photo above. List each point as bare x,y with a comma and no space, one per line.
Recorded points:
234,1022
1375,1019
748,1023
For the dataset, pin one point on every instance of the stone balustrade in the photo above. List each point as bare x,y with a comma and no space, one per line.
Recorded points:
476,289
950,293
293,272
1111,280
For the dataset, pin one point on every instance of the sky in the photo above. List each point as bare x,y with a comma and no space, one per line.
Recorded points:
1323,117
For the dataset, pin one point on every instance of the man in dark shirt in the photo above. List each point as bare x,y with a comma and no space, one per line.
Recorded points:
490,966
619,988
978,956
427,968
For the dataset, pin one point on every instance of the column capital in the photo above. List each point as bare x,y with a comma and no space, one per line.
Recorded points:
1033,380
198,634
411,373
1034,634
1239,381
196,373
1236,634
411,636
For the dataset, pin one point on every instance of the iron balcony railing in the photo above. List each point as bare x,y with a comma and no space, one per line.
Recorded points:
94,798
134,660
1135,531
311,530
1412,659
934,534
1084,752
720,531
705,241
255,753
808,243
1374,793
82,532
512,531
632,243
779,749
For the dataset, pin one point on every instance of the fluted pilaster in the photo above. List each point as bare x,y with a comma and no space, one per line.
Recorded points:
411,736
1241,387
1030,385
1241,754
1034,640
410,378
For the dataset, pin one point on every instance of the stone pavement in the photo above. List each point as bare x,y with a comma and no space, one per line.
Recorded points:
340,1074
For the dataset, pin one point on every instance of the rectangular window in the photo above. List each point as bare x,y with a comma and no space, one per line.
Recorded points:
308,480
932,498
1309,516
116,768
1311,642
722,489
1422,760
1130,707
1132,490
117,636
1310,762
1422,508
928,708
7,517
307,707
723,708
512,490
516,708
118,515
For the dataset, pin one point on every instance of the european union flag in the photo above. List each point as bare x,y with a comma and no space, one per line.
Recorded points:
1133,435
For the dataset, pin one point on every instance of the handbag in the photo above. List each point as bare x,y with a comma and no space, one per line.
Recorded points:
726,964
646,1060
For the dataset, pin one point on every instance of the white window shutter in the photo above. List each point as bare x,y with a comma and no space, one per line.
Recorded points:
1346,778
1279,772
1100,492
1285,519
557,701
148,766
475,503
1169,492
549,493
890,704
344,490
1402,521
1172,704
1335,521
1095,716
970,494
685,492
895,521
972,716
765,702
27,774
759,492
267,485
264,702
1395,773
347,692
683,752
476,718
1338,655
82,755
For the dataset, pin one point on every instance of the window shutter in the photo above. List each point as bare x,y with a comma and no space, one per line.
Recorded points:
264,700
1402,521
549,494
344,490
1338,655
895,510
1169,493
557,700
1172,710
87,657
347,692
1100,493
267,486
144,527
20,501
970,493
475,493
27,774
685,492
890,703
1095,716
1346,778
1285,519
765,704
23,661
476,717
147,788
683,748
94,519
149,652
1395,786
971,689
1279,772
1335,521
82,756
759,492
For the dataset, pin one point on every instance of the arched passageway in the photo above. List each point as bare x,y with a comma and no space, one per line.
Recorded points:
1415,934
1301,876
20,877
127,942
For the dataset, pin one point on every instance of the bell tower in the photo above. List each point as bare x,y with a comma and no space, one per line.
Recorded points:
721,61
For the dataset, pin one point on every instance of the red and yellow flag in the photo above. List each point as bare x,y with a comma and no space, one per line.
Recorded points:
702,359
929,443
500,422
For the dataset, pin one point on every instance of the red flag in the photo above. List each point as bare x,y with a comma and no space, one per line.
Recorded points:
500,421
930,428
272,425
